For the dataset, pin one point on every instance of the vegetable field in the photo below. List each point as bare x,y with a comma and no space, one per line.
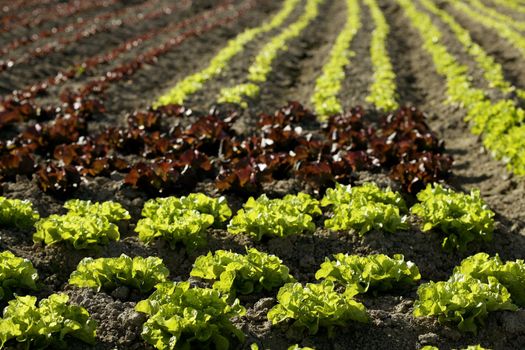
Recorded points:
258,174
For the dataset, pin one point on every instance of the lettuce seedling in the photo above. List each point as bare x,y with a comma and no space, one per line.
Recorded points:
241,273
109,273
47,325
16,274
183,219
481,266
377,272
463,218
316,305
182,317
17,213
364,208
276,217
464,302
85,225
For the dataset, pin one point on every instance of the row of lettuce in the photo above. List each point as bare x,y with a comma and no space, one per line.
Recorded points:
325,97
459,217
500,123
479,285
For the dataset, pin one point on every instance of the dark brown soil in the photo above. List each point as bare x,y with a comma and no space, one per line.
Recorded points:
392,325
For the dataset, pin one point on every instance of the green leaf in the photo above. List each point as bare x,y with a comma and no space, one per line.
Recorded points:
49,324
85,225
377,272
461,217
234,273
16,275
481,266
276,217
17,213
186,318
183,219
316,305
463,302
364,208
109,273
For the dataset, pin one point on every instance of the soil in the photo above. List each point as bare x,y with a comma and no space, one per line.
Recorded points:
392,324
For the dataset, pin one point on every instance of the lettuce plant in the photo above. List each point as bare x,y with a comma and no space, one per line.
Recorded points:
276,217
464,302
47,325
109,273
383,89
16,274
241,273
316,305
372,272
481,266
463,218
329,83
182,317
364,208
17,213
183,219
85,225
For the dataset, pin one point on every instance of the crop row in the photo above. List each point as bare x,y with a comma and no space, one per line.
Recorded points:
13,104
59,10
460,218
76,32
501,28
73,29
195,82
479,285
486,11
499,123
170,157
383,89
262,63
511,4
328,85
492,71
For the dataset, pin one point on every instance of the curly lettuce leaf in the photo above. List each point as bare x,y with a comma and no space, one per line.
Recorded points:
234,273
377,272
185,318
290,215
316,305
109,273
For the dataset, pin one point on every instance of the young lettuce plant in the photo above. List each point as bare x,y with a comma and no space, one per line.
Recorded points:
376,272
510,274
183,219
464,302
364,208
234,273
463,218
17,213
316,305
16,274
182,317
276,217
85,225
49,324
109,273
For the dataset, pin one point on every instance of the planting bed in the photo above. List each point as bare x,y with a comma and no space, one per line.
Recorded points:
127,101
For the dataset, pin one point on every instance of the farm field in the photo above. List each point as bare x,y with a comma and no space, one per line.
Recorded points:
257,174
